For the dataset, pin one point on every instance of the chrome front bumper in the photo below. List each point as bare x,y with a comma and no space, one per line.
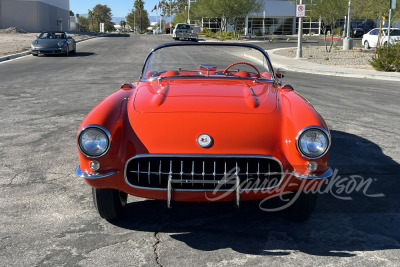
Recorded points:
83,174
233,181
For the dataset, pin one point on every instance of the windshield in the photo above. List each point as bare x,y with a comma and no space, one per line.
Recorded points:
183,27
395,32
52,35
207,61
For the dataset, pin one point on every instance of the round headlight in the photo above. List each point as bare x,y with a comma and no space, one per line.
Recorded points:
313,142
93,141
62,43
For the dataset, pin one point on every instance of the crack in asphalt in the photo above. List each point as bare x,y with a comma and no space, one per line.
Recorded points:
156,247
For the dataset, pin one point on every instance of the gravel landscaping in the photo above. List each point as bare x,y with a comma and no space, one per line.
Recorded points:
14,40
356,58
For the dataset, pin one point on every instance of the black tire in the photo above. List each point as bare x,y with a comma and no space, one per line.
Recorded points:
366,45
35,55
302,208
110,203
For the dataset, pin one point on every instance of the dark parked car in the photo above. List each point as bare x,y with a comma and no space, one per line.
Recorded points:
53,43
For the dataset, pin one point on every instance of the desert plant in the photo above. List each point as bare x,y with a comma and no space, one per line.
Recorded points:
273,38
387,58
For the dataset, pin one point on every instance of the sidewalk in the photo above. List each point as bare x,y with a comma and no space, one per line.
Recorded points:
304,66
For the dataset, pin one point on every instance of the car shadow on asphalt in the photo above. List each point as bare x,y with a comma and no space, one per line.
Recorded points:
346,220
117,35
82,54
77,54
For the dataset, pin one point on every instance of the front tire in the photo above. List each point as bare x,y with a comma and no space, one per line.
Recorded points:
110,203
303,207
366,45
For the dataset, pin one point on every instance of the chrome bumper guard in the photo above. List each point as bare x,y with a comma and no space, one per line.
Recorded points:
327,174
83,174
235,181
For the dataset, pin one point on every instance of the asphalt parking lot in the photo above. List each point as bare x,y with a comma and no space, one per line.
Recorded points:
46,213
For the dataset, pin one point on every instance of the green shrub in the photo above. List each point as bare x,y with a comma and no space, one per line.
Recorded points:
273,38
387,58
338,31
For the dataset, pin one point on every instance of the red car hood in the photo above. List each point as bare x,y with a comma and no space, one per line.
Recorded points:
216,96
167,117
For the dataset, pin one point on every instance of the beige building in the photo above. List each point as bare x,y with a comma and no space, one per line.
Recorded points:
35,15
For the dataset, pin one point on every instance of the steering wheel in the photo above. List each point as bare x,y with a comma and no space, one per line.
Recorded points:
258,75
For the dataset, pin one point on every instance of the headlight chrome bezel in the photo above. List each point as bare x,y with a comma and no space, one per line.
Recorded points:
62,43
97,127
316,128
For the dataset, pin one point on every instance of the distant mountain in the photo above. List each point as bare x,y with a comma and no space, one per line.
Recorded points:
116,20
157,18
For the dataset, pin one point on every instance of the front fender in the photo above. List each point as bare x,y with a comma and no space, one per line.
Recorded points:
297,114
111,113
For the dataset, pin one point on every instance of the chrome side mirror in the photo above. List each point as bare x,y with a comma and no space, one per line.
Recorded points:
279,74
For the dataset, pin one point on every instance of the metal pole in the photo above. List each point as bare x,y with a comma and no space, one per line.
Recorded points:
348,41
188,11
348,20
264,24
300,37
389,23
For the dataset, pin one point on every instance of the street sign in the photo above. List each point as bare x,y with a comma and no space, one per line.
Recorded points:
300,11
393,4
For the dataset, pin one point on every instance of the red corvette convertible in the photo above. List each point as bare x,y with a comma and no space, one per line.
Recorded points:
204,122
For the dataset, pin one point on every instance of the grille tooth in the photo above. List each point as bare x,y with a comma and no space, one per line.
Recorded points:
202,172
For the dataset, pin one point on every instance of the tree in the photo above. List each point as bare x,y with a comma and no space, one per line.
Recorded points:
71,14
83,23
180,18
232,11
91,20
103,15
330,12
138,16
122,23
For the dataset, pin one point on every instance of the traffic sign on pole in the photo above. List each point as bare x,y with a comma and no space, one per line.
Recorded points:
393,4
300,11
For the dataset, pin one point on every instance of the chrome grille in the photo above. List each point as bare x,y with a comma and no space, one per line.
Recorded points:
203,172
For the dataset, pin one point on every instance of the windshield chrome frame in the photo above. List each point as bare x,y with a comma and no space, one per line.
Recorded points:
273,78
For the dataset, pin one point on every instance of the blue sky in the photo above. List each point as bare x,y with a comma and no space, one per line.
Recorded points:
119,8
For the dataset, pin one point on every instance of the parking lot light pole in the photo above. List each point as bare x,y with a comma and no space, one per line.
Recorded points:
348,41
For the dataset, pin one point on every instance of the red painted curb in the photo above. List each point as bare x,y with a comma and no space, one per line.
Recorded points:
334,38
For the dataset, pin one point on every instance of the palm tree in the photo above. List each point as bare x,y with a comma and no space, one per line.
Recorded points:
123,24
98,19
90,14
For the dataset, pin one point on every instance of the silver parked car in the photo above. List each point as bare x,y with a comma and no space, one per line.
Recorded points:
53,42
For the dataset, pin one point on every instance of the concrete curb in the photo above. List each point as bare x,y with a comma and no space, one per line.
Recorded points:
22,54
13,56
303,66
